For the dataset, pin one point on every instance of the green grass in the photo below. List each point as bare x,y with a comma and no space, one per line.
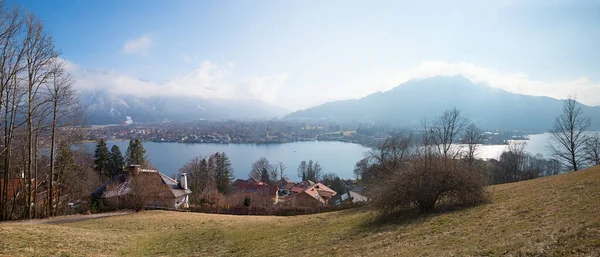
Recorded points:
553,216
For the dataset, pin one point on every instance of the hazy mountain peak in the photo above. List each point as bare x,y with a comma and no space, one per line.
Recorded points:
415,100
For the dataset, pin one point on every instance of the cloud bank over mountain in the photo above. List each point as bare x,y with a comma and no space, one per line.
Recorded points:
213,81
209,81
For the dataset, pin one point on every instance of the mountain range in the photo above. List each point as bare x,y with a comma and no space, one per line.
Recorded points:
103,107
410,103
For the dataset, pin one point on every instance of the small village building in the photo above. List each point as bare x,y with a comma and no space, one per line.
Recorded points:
310,194
136,188
259,192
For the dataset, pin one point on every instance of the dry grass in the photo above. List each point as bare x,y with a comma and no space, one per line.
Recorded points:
553,216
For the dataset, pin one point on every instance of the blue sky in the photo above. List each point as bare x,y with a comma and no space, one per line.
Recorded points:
299,53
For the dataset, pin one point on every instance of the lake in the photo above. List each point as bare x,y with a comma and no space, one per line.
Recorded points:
336,157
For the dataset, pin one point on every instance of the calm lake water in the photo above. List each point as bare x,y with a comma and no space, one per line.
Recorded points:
336,157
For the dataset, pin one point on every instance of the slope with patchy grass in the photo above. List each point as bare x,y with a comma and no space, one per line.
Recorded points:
552,216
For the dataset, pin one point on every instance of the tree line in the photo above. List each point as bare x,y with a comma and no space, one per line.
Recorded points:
110,163
38,109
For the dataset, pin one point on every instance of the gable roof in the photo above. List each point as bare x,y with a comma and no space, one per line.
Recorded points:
122,184
314,194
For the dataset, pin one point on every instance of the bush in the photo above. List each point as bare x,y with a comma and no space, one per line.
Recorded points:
425,182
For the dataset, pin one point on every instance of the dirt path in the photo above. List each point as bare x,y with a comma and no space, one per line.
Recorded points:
68,218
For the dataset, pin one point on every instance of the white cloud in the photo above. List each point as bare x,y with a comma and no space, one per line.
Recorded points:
215,81
267,88
207,81
138,45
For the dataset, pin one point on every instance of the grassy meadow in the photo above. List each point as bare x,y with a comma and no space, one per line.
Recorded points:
551,216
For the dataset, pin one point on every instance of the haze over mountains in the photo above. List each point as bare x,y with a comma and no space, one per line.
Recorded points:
407,105
410,103
103,107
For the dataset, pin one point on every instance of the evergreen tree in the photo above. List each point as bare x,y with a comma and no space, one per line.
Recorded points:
264,176
65,161
302,170
260,167
129,153
136,154
101,158
116,161
223,172
309,171
68,173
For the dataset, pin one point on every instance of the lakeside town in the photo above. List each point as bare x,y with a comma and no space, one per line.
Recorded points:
270,132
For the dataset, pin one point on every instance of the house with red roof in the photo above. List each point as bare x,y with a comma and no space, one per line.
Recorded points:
310,194
259,192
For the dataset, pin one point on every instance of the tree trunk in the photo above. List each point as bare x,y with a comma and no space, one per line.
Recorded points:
52,147
35,172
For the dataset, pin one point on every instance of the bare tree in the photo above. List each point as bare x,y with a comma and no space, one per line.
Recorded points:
281,167
592,149
262,170
314,171
445,130
360,167
472,137
39,54
392,152
302,170
568,134
12,53
64,102
511,164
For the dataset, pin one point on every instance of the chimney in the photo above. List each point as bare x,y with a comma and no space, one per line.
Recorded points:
183,181
134,169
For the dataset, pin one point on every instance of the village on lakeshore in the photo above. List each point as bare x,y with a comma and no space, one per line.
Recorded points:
301,128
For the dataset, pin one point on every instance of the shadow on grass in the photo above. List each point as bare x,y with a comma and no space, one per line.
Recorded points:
383,222
79,218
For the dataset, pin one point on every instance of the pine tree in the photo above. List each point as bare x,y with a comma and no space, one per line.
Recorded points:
129,153
223,172
65,161
136,154
101,158
264,176
66,169
116,161
302,170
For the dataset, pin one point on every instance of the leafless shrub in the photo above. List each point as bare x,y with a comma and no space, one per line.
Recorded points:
401,176
425,182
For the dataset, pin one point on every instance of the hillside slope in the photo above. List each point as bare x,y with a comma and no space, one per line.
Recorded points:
411,102
552,216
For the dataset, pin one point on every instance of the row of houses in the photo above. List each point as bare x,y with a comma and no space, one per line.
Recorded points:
286,192
151,188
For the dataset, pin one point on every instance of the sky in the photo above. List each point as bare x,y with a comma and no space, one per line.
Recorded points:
296,54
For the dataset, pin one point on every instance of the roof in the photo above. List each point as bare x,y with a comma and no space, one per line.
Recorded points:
285,183
176,189
121,184
317,191
323,189
314,194
255,186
